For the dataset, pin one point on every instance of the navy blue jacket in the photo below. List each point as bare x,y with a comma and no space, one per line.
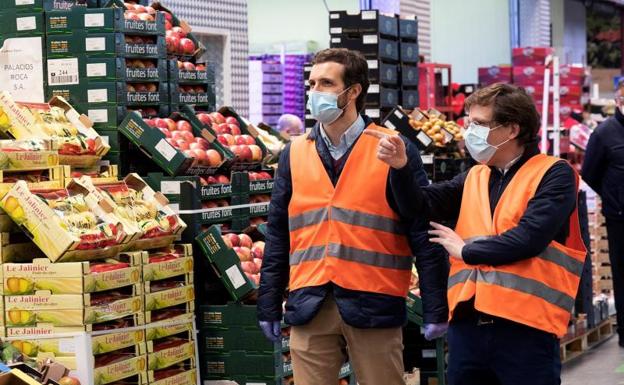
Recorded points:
603,167
545,219
358,309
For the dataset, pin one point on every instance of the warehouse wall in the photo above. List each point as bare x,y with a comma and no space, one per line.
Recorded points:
469,37
273,22
222,18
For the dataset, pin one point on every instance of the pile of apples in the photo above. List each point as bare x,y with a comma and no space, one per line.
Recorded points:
138,63
216,179
250,254
191,89
142,87
229,134
262,175
177,40
215,204
188,66
180,135
262,198
139,40
139,12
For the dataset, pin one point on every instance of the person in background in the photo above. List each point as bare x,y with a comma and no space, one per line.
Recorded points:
516,251
336,240
603,171
290,124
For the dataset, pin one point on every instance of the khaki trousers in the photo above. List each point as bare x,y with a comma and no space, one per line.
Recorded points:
320,348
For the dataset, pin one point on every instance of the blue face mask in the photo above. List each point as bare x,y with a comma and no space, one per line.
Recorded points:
476,142
324,106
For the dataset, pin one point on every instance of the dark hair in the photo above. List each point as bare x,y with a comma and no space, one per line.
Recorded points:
512,105
355,69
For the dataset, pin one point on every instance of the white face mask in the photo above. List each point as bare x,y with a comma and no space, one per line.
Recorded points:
476,141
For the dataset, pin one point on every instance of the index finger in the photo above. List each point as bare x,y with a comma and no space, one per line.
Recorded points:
437,226
375,134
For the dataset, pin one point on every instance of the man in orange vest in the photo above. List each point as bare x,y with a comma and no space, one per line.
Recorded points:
336,240
516,252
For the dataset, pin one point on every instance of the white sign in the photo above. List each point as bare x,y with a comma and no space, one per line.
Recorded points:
96,69
21,69
26,23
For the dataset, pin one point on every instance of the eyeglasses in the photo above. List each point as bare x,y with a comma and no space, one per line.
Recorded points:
491,124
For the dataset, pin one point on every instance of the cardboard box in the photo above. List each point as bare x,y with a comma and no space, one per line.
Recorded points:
368,21
49,330
494,74
530,56
157,266
202,98
371,46
134,365
71,277
45,5
410,99
105,45
528,75
409,52
167,357
85,69
381,97
66,309
408,28
186,378
182,76
398,120
409,75
226,339
27,155
101,20
170,327
168,298
20,23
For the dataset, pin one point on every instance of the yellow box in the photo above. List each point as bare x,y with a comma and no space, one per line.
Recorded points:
169,298
170,356
170,327
152,286
153,271
27,155
186,378
47,329
47,229
119,371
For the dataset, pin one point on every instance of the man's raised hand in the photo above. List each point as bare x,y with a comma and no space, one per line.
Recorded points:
391,149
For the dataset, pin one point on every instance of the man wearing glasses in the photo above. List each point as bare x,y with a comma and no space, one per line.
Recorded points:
603,170
516,252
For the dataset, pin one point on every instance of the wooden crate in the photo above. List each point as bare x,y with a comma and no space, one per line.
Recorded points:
576,346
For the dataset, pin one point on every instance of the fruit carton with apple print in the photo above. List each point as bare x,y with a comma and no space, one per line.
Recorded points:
21,24
105,20
46,178
17,247
185,72
118,366
72,277
169,351
72,309
138,206
105,45
155,145
169,297
25,155
162,327
61,224
173,376
58,121
227,254
141,94
167,263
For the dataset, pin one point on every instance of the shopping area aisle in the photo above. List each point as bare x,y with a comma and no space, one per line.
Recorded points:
603,365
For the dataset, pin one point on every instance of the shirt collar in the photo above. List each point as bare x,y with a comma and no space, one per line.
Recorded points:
348,137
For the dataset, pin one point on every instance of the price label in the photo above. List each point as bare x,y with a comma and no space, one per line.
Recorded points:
97,96
96,69
26,23
63,72
166,150
95,43
94,20
98,116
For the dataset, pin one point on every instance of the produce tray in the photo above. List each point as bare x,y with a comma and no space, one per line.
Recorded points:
171,187
202,98
181,76
370,45
168,298
409,75
409,53
237,363
174,328
410,99
398,120
226,339
368,21
103,45
382,73
21,24
408,28
87,69
29,6
381,97
101,20
108,118
170,356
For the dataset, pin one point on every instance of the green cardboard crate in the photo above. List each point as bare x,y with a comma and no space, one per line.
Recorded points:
115,140
45,5
226,263
88,69
170,186
100,20
91,93
237,363
104,45
141,99
194,98
108,118
154,144
21,23
225,339
181,76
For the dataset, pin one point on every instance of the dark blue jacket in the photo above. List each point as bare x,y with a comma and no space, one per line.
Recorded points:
358,309
545,219
603,167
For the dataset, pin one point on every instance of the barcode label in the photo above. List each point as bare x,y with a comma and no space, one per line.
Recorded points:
63,72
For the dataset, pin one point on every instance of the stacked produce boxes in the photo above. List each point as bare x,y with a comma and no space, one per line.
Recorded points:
266,89
408,69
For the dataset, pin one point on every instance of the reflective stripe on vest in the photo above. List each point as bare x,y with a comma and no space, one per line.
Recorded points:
352,239
540,291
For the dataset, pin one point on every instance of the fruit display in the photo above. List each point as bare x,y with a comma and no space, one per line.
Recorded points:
27,154
442,132
229,134
273,143
61,223
180,135
214,179
141,211
168,262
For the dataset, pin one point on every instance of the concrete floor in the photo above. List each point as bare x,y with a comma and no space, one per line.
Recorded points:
602,365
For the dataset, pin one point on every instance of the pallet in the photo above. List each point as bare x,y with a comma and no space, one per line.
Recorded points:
577,346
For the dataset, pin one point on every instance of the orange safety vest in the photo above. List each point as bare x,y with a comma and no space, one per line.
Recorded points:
539,291
346,234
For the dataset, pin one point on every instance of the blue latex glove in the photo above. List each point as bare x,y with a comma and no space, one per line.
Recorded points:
272,330
433,331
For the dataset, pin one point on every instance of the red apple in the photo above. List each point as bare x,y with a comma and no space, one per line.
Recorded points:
131,16
214,158
256,279
258,249
230,139
168,16
222,179
253,176
265,175
244,253
170,123
209,205
223,140
182,144
179,31
150,111
151,87
225,128
189,66
231,120
249,139
173,44
130,88
245,241
188,136
183,125
129,6
235,129
70,380
256,153
189,154
245,153
247,266
139,8
165,131
149,64
187,46
199,155
140,87
150,10
200,67
161,123
196,146
258,263
180,65
204,143
146,17
240,140
233,239
172,142
217,117
204,118
212,180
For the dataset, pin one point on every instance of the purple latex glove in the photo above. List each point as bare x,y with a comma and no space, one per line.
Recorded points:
272,330
433,331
